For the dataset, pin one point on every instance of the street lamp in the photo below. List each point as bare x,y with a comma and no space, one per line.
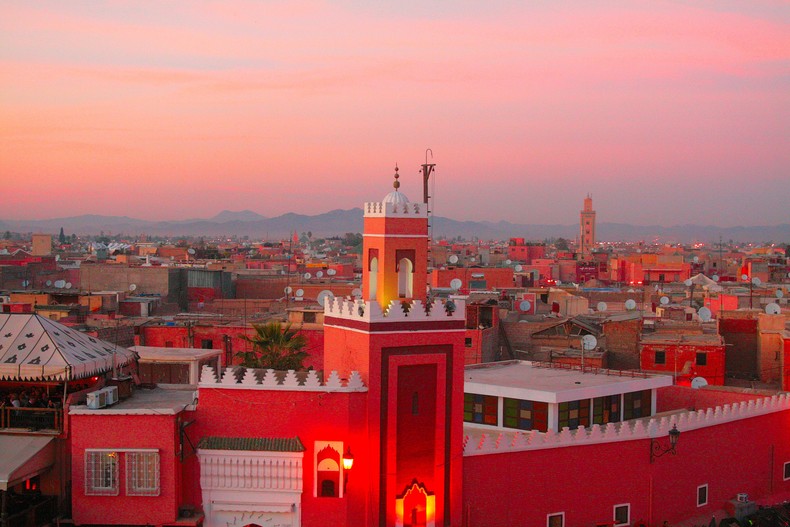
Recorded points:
656,450
348,462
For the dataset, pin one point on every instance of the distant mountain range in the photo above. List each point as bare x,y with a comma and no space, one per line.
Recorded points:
339,222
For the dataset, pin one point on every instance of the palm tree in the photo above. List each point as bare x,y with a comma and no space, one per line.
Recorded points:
274,346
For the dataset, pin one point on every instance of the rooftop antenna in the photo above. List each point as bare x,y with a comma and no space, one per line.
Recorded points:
427,170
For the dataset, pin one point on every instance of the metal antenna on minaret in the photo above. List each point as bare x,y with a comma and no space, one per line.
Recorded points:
427,170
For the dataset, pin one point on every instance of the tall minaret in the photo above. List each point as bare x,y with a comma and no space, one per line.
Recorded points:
587,228
410,355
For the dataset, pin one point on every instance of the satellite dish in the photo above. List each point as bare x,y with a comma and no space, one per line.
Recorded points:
508,262
756,281
25,283
773,309
630,304
664,300
307,276
132,287
331,272
49,283
589,342
357,292
779,293
60,283
518,268
319,274
456,283
472,259
525,305
453,259
323,296
191,251
744,277
715,278
696,259
68,285
601,306
288,290
558,282
698,382
688,282
300,292
450,306
704,314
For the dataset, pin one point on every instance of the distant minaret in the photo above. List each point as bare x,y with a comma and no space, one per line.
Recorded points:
587,228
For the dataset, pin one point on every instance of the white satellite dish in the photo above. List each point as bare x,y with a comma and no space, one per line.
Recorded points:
664,300
49,283
68,285
631,290
508,262
307,276
472,259
779,293
288,290
331,272
300,293
319,274
589,342
456,283
705,314
695,259
518,268
323,296
558,282
132,287
60,283
688,282
601,306
191,251
356,292
756,281
773,309
525,305
453,259
698,382
744,277
715,278
630,304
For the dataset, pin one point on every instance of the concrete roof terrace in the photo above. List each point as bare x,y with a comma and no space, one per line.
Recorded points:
555,383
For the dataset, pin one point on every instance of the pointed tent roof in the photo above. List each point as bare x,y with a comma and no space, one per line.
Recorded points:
34,348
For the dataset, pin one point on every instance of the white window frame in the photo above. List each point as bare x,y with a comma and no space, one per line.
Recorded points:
627,518
785,471
98,465
137,485
707,495
552,514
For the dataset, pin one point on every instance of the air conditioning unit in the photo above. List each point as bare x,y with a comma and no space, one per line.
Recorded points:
112,394
97,399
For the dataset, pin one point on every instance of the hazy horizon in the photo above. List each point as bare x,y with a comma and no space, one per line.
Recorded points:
668,113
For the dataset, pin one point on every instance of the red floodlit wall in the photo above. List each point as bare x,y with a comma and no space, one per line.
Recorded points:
126,432
586,482
677,355
312,416
681,397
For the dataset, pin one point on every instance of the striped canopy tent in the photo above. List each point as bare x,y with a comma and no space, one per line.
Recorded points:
34,348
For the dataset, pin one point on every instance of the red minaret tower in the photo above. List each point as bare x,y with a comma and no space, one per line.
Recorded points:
586,228
409,352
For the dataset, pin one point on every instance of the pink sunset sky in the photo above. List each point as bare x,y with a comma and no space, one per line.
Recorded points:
667,112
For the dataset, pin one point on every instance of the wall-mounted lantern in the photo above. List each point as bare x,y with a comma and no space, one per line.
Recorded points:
348,463
656,450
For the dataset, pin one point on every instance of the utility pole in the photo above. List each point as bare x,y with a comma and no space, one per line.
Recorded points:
427,170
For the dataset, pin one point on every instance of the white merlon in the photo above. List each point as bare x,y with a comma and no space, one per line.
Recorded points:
240,378
397,311
376,209
480,440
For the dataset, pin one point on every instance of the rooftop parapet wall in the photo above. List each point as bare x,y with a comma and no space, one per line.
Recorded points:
240,378
479,441
381,209
397,311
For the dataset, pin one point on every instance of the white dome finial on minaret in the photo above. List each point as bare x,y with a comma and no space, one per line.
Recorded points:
396,196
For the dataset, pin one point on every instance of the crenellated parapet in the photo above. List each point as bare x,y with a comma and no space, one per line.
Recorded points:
381,209
397,311
240,378
481,441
